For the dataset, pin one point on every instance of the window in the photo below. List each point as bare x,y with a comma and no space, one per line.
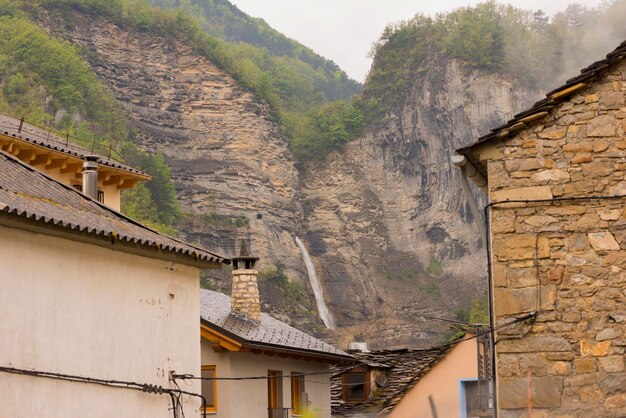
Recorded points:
356,385
474,398
209,388
275,393
299,401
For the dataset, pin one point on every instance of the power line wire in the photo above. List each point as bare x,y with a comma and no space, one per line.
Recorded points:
174,394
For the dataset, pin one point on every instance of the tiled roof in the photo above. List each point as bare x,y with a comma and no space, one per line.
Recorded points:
540,109
9,126
27,193
402,370
270,333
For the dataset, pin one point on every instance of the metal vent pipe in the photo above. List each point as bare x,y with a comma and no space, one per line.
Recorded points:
90,176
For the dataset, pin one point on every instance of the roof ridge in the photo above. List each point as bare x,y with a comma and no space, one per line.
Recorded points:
55,142
535,113
116,215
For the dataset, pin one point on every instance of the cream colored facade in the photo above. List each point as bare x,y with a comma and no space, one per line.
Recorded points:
443,383
76,308
249,398
112,193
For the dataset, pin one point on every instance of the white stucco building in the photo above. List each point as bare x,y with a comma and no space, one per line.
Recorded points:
89,293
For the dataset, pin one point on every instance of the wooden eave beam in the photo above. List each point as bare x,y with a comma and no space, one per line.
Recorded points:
39,159
127,184
113,180
13,148
71,168
220,339
25,154
56,162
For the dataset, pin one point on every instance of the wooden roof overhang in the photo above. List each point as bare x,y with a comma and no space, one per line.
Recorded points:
46,157
222,340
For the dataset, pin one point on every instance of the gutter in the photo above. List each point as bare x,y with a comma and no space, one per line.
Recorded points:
468,170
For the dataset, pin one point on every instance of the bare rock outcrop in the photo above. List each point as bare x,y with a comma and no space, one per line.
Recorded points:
389,212
385,220
232,169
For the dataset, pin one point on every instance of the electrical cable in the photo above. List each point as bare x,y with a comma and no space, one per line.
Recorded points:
174,394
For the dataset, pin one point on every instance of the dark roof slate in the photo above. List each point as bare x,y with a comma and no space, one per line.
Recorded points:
271,333
553,98
9,126
31,194
402,369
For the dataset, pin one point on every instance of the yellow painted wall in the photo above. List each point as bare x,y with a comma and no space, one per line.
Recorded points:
248,398
81,309
442,382
112,195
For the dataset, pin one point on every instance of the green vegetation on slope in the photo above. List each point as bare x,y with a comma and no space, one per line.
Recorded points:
222,19
42,77
540,51
293,88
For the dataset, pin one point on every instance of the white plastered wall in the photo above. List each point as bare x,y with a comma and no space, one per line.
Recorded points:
81,309
248,398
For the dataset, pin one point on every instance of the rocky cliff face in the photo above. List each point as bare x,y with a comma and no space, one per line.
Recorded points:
233,171
385,221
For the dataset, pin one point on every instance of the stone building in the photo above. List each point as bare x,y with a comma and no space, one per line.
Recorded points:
558,251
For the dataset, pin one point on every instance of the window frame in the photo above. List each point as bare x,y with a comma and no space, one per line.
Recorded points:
345,380
463,400
274,390
297,388
213,408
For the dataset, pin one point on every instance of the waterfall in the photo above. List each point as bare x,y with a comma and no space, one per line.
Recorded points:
325,315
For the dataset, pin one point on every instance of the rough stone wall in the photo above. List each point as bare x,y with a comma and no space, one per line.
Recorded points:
565,260
245,294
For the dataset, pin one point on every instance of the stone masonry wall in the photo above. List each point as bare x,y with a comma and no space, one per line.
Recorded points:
245,294
565,260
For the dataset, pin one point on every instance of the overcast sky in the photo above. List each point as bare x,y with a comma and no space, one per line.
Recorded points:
344,30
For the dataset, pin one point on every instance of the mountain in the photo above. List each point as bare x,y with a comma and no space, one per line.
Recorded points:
365,183
224,20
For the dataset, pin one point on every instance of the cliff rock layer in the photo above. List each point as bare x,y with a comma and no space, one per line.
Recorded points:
385,220
389,212
233,171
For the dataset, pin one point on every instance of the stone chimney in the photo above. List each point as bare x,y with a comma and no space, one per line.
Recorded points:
244,295
90,176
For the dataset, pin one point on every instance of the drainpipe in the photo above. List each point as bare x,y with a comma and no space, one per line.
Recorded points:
90,176
469,170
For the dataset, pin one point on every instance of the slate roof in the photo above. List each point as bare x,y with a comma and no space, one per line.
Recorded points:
540,109
9,126
402,370
28,193
269,334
